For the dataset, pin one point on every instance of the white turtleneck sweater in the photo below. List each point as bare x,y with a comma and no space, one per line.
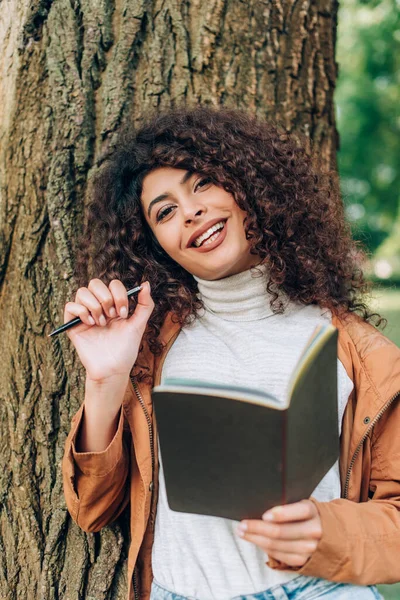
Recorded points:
236,340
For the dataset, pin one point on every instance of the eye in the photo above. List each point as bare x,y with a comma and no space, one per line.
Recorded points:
164,212
202,183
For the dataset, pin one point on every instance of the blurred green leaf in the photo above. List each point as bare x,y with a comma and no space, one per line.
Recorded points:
368,115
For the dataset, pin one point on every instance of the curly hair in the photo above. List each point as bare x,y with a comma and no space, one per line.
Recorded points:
295,218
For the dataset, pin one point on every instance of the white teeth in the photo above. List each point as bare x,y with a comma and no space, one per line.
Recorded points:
198,241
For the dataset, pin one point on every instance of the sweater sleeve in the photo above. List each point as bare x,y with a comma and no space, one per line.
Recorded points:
96,486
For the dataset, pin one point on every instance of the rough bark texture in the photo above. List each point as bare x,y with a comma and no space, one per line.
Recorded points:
72,73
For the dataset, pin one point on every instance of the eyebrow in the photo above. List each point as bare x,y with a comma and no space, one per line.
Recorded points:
162,197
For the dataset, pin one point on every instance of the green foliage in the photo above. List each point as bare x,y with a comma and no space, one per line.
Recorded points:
386,301
390,592
368,107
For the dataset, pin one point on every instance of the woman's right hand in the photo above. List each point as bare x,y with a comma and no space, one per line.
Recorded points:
107,341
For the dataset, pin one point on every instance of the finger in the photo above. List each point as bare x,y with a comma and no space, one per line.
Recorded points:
89,301
299,530
299,511
104,296
143,309
292,560
120,297
299,547
73,309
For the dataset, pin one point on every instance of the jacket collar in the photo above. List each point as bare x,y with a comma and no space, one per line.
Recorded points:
169,328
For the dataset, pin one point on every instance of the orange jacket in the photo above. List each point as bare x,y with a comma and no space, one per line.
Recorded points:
360,543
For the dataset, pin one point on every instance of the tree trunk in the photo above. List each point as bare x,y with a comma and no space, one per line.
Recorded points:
72,73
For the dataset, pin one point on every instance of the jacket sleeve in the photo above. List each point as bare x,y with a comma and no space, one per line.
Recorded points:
367,551
360,542
96,486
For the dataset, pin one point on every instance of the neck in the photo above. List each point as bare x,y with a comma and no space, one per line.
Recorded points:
240,297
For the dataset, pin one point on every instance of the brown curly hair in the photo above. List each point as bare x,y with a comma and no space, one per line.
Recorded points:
295,218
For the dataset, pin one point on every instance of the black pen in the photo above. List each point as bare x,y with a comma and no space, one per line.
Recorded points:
77,320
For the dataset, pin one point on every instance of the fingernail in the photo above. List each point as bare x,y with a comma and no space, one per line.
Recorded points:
271,514
148,285
102,320
123,312
242,527
112,312
91,320
268,516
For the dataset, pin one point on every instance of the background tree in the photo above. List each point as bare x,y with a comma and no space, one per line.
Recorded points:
73,72
368,101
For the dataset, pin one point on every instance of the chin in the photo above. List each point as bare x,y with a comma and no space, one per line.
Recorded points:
219,266
220,273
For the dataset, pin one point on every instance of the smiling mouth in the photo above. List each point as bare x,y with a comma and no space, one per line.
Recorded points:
209,236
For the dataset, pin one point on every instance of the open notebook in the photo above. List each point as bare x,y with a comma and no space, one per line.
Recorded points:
235,452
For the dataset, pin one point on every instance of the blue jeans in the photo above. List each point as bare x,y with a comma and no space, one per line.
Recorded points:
300,588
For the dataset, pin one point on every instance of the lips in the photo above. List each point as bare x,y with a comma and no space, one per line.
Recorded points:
216,240
202,230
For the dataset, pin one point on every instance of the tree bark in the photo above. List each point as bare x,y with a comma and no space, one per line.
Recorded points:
72,73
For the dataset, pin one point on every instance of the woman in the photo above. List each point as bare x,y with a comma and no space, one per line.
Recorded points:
243,249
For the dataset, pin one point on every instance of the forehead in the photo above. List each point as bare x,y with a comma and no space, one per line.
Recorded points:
160,181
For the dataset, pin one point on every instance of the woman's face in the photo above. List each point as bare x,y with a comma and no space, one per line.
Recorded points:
198,224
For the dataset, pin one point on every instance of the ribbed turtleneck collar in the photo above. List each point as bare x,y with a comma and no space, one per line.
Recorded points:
241,297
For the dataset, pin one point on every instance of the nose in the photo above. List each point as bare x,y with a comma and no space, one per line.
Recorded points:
192,211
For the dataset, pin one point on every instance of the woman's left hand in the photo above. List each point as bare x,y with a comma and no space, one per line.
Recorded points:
287,533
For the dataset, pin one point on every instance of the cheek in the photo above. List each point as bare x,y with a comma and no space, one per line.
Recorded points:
240,216
168,239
